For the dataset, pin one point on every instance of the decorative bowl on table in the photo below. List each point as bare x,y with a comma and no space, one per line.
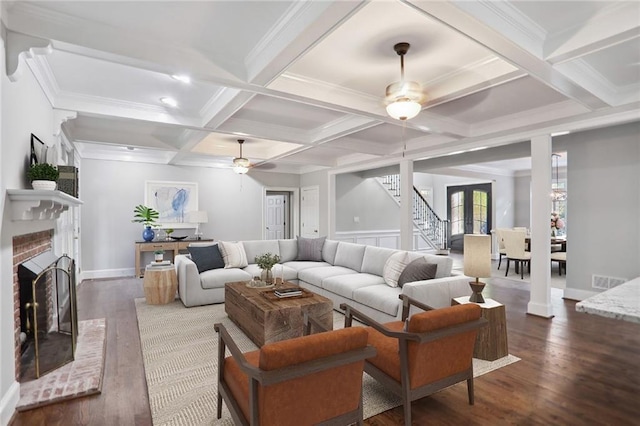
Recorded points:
178,238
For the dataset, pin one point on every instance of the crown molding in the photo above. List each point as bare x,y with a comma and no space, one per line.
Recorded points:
509,21
586,76
39,66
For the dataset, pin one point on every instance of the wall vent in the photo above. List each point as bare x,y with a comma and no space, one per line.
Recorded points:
605,283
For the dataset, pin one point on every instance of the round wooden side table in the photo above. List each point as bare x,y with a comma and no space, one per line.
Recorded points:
160,284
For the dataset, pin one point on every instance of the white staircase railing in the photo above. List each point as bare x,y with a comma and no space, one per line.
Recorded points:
434,230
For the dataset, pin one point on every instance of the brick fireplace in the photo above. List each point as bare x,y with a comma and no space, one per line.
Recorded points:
26,247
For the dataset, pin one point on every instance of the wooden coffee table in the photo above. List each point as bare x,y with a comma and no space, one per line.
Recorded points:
267,321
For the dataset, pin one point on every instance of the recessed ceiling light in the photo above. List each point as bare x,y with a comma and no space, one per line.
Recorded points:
560,133
169,101
182,78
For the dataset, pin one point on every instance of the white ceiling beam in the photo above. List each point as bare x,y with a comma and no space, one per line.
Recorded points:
613,25
459,17
298,30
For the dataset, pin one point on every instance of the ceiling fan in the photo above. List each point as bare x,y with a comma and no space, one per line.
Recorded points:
241,165
403,98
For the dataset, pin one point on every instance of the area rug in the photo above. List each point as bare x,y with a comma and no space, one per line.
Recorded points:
180,347
81,377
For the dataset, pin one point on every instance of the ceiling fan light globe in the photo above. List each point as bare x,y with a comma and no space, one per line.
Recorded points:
404,89
240,169
403,109
241,162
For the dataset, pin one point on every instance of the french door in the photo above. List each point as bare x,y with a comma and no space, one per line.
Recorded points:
469,210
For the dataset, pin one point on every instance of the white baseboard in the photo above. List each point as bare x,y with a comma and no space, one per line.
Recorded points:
107,273
578,294
9,402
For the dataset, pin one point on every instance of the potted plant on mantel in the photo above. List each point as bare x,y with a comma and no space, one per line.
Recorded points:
147,216
43,176
266,262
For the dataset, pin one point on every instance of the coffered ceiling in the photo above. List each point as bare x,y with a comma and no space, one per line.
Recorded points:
304,82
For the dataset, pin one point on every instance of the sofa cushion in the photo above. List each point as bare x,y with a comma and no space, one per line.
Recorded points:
315,276
256,248
418,270
299,265
207,257
445,263
217,278
233,254
380,297
375,259
393,268
350,255
329,251
288,250
310,248
345,285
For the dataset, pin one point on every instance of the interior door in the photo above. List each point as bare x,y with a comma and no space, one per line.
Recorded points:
277,217
310,212
469,210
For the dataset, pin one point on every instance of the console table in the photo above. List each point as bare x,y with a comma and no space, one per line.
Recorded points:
491,342
175,246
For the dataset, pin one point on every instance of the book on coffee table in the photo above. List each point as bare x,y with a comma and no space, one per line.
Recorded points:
288,292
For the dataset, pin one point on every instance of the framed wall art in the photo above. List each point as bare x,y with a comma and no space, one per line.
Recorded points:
175,201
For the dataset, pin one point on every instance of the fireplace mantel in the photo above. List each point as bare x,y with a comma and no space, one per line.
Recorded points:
32,204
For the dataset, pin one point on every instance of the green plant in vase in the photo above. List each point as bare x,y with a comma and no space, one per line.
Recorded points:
266,262
43,176
147,216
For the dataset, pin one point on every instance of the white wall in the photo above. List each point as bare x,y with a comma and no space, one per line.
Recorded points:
603,205
367,200
111,189
25,110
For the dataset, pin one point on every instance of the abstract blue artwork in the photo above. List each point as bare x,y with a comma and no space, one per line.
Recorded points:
173,200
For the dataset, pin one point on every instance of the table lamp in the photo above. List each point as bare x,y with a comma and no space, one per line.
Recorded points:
477,262
198,217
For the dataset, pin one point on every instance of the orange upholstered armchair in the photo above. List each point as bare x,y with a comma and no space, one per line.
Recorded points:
315,379
434,352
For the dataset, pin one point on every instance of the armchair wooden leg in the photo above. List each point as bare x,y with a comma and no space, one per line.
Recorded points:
407,412
507,272
470,391
521,270
499,261
219,408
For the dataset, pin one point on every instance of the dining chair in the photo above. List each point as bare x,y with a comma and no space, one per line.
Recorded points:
561,258
515,245
313,379
428,352
502,251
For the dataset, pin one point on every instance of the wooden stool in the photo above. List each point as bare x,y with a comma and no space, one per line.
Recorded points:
491,342
160,284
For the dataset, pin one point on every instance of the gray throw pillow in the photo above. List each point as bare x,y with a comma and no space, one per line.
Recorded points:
418,270
310,248
206,258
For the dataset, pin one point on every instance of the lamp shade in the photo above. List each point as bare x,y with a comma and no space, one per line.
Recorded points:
477,255
199,216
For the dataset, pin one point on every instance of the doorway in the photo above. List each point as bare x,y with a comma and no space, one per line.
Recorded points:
310,207
469,210
277,215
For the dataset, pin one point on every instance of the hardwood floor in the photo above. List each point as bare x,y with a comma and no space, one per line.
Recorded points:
576,369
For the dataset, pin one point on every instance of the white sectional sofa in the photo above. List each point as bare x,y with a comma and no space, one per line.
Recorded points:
351,273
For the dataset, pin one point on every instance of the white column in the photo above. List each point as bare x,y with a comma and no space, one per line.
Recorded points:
540,301
406,205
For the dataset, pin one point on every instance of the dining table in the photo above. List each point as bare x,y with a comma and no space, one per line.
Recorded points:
561,241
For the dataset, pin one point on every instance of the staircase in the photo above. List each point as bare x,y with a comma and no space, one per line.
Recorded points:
434,231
